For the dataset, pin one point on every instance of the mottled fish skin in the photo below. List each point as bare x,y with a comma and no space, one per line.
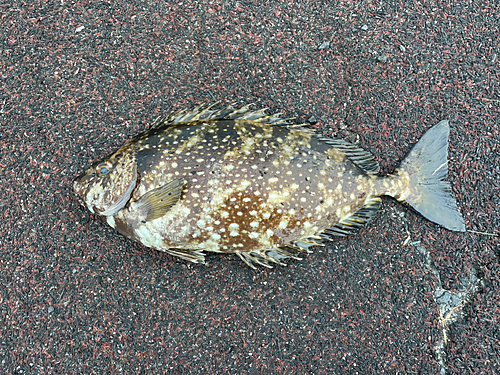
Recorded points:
249,187
236,186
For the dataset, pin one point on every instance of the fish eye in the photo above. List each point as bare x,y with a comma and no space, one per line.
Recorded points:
104,168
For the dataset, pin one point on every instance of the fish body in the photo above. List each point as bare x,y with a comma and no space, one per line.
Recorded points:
239,181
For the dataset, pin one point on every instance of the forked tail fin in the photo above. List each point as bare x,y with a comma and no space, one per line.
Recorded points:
427,166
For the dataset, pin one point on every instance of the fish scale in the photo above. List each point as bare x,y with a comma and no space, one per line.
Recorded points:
240,181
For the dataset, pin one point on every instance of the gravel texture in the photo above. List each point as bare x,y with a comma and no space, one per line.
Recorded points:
404,296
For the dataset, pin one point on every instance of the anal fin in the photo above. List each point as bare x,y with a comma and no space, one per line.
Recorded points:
355,221
195,256
275,255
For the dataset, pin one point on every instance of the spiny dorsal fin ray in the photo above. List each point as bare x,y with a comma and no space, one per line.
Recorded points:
205,112
354,222
158,121
362,158
222,113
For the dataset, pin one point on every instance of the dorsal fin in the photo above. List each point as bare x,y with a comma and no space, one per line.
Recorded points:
205,112
362,158
354,222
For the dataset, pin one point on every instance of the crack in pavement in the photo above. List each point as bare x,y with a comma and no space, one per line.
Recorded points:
451,304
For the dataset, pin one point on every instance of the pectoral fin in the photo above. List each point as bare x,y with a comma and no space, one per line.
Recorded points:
159,201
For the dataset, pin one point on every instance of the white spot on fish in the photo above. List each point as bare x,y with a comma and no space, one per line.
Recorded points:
233,226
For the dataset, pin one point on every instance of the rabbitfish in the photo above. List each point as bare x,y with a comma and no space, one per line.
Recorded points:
240,181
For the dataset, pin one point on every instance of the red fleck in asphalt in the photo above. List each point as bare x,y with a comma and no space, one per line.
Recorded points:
80,78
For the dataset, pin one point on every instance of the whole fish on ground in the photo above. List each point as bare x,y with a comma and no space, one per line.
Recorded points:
240,181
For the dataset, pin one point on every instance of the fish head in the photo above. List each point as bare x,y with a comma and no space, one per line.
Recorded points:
106,187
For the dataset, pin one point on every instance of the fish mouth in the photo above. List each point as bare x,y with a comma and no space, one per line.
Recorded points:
120,203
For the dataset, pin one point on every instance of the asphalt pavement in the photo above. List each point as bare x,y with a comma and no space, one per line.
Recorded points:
403,296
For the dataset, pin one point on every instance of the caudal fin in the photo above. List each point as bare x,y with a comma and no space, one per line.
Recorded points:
427,166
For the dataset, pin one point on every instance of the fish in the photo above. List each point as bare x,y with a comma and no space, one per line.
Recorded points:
241,181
